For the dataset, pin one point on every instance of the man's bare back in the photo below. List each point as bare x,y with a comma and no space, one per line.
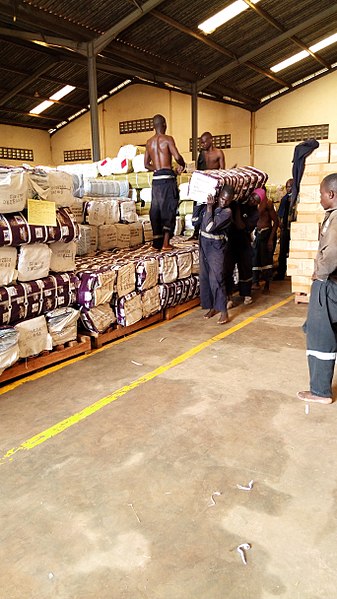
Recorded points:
160,149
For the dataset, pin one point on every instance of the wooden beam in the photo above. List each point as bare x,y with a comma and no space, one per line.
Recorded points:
270,19
320,16
130,19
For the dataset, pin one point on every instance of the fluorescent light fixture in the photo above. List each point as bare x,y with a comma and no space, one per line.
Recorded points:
54,98
62,92
308,77
224,15
289,61
230,99
120,86
41,107
74,116
328,41
274,94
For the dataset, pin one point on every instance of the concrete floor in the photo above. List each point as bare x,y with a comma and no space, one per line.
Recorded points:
118,505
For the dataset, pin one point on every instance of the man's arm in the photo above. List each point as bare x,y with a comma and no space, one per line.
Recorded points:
147,160
174,151
326,260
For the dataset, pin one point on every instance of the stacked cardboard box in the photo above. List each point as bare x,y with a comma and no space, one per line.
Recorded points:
305,231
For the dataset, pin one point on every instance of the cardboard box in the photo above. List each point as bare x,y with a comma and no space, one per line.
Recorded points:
310,217
333,154
300,254
298,288
303,244
307,231
309,193
314,207
320,155
302,267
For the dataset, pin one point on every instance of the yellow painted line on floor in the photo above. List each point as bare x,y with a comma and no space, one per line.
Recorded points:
40,374
61,426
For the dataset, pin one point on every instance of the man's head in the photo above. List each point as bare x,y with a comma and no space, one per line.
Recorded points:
206,140
226,196
159,123
257,196
289,185
328,190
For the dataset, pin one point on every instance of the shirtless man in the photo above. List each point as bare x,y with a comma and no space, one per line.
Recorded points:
264,243
210,157
165,195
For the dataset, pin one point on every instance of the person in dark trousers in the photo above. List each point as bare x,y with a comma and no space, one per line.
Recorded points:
321,324
264,241
284,215
239,248
301,152
165,194
213,220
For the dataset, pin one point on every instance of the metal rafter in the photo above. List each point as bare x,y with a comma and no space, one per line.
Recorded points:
23,124
31,116
267,17
31,36
18,88
215,46
318,17
42,98
112,32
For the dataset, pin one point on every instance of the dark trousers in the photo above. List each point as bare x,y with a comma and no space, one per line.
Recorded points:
262,257
284,252
239,251
164,204
211,274
321,331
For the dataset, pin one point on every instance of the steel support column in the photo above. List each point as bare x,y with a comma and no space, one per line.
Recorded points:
92,78
194,122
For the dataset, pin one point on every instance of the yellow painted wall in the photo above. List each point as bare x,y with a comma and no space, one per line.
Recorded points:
31,139
313,104
139,101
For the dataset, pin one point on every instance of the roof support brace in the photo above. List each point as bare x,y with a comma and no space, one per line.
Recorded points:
92,78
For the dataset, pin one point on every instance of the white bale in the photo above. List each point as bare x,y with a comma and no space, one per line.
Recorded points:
34,261
33,337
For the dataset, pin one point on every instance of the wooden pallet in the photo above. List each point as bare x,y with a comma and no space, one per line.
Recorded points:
48,358
302,298
170,313
99,339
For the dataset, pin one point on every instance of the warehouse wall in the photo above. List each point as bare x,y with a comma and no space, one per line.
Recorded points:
139,101
25,138
313,104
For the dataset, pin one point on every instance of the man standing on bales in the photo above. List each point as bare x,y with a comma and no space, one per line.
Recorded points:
160,149
210,157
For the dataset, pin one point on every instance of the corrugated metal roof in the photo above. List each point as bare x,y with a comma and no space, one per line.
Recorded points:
159,46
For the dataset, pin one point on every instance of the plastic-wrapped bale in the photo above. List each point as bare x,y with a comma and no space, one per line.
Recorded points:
121,166
179,226
150,301
147,228
77,173
62,256
34,262
143,207
128,309
102,187
125,278
101,211
123,236
13,189
77,210
95,288
52,185
147,272
88,240
195,260
97,319
168,267
128,211
105,167
183,191
27,300
8,260
138,164
129,151
33,337
62,325
184,262
243,179
15,230
178,292
107,237
136,234
9,347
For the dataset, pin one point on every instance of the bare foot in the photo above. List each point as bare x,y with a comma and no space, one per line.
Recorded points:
308,396
210,313
256,286
223,318
167,248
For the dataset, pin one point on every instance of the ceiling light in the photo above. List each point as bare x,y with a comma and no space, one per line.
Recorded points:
289,61
120,86
41,107
274,94
225,15
332,39
308,77
62,92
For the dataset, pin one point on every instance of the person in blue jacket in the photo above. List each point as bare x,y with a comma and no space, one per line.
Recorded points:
213,218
